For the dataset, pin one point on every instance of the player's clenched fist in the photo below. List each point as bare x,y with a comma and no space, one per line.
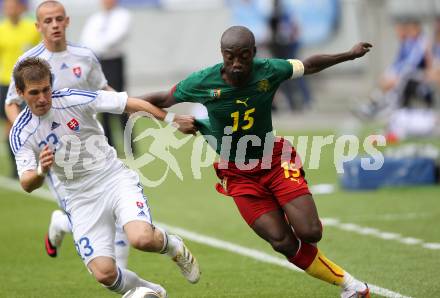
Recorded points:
186,124
360,49
46,159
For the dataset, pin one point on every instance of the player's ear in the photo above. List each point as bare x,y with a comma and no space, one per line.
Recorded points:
19,91
255,51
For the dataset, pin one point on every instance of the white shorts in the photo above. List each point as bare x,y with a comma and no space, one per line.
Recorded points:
119,199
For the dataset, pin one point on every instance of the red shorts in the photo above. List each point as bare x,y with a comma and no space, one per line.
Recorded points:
259,191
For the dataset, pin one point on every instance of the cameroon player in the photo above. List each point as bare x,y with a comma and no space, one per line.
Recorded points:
265,178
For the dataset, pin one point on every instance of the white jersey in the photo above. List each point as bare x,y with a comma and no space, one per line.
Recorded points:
70,128
75,68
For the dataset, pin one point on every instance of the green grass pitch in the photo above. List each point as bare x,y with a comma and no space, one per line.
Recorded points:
194,205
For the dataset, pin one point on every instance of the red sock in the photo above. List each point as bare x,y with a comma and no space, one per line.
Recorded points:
305,255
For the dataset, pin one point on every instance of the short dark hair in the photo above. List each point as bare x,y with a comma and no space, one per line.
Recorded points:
49,3
31,70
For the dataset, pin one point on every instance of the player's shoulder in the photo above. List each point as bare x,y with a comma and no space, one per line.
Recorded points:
205,76
269,63
24,126
69,98
273,67
80,50
36,51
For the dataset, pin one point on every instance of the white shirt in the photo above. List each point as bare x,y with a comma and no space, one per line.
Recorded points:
76,68
105,32
71,130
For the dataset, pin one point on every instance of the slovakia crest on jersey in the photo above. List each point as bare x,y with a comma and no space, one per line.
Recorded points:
77,71
73,125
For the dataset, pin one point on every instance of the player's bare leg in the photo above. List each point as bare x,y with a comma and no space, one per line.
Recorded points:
303,216
118,279
146,237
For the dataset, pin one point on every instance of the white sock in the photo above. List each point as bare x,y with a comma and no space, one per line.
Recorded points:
352,283
59,225
122,248
173,246
128,280
63,224
171,243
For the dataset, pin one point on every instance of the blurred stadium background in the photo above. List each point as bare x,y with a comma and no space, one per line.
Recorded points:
171,38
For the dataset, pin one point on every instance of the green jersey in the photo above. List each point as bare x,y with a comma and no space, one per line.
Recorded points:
237,116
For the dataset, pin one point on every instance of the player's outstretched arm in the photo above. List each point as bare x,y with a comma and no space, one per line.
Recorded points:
162,99
185,123
317,63
32,179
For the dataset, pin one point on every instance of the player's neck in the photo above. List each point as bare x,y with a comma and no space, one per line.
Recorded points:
58,46
234,83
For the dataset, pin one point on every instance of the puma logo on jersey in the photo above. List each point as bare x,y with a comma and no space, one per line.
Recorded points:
244,101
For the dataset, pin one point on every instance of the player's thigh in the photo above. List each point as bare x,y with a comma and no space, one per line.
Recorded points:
130,202
93,229
253,206
286,182
303,216
273,227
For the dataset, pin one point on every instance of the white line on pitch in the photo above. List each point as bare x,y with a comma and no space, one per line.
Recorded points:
373,232
13,185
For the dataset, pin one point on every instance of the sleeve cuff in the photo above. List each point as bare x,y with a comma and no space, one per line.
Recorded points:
16,100
124,99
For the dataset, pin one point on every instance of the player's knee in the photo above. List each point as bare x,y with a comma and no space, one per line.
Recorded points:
106,275
285,244
144,241
312,234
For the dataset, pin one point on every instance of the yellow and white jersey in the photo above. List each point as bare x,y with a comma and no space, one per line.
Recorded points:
70,129
76,68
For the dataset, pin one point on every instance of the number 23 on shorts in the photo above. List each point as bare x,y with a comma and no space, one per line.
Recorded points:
84,248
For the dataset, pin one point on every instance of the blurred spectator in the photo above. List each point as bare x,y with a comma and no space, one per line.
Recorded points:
411,64
415,118
17,35
434,72
105,33
285,44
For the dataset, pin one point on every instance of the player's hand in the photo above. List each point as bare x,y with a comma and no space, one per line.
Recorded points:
186,124
46,159
360,49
